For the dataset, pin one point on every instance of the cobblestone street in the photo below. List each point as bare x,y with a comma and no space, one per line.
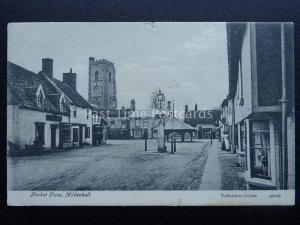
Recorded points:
119,165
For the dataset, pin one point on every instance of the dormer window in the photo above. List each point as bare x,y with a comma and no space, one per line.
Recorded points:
63,104
40,101
40,97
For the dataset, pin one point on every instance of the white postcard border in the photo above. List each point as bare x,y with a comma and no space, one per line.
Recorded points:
150,198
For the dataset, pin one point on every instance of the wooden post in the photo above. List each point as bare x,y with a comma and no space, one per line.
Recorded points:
210,136
145,144
174,145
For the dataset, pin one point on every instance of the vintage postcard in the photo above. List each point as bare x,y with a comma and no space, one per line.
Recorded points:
150,114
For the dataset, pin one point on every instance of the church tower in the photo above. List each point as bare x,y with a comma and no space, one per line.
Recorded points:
102,84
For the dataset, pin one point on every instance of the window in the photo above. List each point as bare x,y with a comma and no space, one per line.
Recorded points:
87,132
137,133
206,134
137,123
75,135
146,123
63,105
109,77
74,113
260,150
243,136
40,100
112,123
87,114
96,75
123,123
40,133
40,96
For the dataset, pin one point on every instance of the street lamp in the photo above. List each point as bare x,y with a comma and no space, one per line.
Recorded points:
160,97
161,128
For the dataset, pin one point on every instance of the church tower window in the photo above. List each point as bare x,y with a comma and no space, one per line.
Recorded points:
96,75
109,77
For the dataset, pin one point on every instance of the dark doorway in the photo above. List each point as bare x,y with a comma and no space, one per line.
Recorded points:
145,134
53,136
200,136
80,136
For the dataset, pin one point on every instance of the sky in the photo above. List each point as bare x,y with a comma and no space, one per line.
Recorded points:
187,61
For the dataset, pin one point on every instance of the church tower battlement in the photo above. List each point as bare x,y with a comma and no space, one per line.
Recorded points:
102,84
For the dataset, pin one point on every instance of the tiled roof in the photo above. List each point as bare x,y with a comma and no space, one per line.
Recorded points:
22,85
194,118
175,124
224,103
143,113
72,94
117,113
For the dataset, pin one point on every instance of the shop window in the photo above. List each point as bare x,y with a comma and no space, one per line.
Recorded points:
75,134
260,149
65,134
40,133
87,132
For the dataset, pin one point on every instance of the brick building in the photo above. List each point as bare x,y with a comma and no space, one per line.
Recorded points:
205,122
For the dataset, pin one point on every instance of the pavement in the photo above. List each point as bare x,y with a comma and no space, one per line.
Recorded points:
211,179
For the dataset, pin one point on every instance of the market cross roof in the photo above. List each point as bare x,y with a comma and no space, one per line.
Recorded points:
175,124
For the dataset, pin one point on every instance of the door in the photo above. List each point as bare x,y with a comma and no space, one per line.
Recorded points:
53,136
80,136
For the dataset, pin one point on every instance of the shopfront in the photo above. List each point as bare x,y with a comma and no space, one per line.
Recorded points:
260,140
97,134
65,140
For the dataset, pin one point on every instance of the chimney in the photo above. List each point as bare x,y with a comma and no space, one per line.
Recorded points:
186,109
70,79
47,67
196,108
132,105
169,106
